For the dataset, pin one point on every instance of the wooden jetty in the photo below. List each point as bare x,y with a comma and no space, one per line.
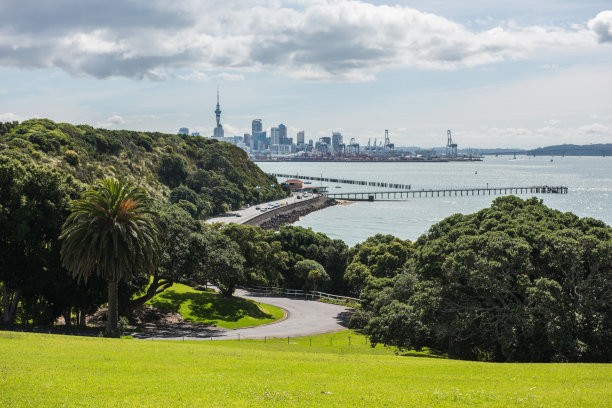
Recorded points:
453,192
345,181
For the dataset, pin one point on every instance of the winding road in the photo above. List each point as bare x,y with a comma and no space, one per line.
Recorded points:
303,318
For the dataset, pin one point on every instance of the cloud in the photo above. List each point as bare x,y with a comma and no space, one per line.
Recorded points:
112,121
323,40
601,25
548,135
227,76
10,117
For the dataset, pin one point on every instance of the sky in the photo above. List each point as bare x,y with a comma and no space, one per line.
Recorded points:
518,74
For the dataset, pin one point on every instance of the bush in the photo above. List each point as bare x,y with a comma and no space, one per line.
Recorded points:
72,157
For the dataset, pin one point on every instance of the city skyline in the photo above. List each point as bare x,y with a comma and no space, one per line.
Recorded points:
522,75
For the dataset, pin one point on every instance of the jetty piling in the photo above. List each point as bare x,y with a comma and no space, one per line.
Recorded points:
405,194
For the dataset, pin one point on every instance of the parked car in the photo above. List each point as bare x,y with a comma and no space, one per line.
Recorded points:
299,197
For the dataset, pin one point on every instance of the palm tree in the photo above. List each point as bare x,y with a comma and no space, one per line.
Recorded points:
112,232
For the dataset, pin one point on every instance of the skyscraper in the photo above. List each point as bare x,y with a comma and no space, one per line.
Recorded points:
219,129
282,132
256,126
336,141
275,135
300,137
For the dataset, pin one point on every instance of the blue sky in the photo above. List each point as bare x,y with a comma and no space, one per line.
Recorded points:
498,74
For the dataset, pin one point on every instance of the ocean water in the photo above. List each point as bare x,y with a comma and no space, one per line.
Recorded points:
589,180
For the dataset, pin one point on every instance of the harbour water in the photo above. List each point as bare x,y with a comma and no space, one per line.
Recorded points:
589,180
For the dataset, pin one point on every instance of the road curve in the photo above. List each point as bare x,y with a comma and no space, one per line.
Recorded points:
303,318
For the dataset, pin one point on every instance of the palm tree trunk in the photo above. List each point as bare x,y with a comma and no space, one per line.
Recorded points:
82,318
112,330
6,304
68,317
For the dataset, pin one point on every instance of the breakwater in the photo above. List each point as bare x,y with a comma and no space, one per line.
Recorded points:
274,219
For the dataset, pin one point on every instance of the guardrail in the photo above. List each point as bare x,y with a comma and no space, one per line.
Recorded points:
300,293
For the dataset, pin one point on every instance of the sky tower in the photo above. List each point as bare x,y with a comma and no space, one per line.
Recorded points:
219,129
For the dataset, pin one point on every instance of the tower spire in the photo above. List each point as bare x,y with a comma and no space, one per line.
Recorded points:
218,110
218,132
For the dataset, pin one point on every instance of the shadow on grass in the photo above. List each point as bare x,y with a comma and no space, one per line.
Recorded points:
209,307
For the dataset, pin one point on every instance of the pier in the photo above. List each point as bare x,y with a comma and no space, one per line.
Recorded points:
345,181
458,192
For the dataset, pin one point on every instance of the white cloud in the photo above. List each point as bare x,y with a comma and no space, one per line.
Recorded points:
10,117
227,76
547,135
323,40
602,26
196,76
111,121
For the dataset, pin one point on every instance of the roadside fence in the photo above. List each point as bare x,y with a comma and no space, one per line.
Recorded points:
301,293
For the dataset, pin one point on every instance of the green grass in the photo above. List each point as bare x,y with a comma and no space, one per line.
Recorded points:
213,309
49,370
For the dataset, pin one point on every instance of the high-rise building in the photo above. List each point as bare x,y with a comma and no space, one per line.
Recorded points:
282,132
219,129
256,126
275,135
336,141
300,137
183,131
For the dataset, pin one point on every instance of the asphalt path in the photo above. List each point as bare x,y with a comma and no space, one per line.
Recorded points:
252,212
302,318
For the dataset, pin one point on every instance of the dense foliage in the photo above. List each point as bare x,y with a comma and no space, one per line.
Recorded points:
275,258
514,282
214,176
44,165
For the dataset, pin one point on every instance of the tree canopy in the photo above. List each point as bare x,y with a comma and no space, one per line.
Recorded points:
514,282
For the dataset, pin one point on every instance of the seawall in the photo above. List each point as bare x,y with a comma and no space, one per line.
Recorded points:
273,219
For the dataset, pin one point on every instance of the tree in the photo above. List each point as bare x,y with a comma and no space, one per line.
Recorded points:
112,232
513,282
224,263
34,202
180,258
310,271
264,258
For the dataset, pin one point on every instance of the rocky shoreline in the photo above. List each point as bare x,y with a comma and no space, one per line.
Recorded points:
292,215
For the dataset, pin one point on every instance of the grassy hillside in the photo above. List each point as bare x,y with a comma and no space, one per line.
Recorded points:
35,371
213,309
219,173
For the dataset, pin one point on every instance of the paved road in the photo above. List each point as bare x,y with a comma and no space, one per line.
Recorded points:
304,318
251,212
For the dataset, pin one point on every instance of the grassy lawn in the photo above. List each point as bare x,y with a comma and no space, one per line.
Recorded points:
51,370
213,309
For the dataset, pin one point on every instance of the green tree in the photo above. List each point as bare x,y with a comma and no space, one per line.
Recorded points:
224,263
34,202
311,272
112,232
514,282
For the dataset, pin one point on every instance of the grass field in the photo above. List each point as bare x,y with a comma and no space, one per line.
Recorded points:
213,309
49,370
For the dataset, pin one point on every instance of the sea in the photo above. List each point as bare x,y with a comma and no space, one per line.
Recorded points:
589,180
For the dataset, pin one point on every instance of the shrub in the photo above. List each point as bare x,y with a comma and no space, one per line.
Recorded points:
72,157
